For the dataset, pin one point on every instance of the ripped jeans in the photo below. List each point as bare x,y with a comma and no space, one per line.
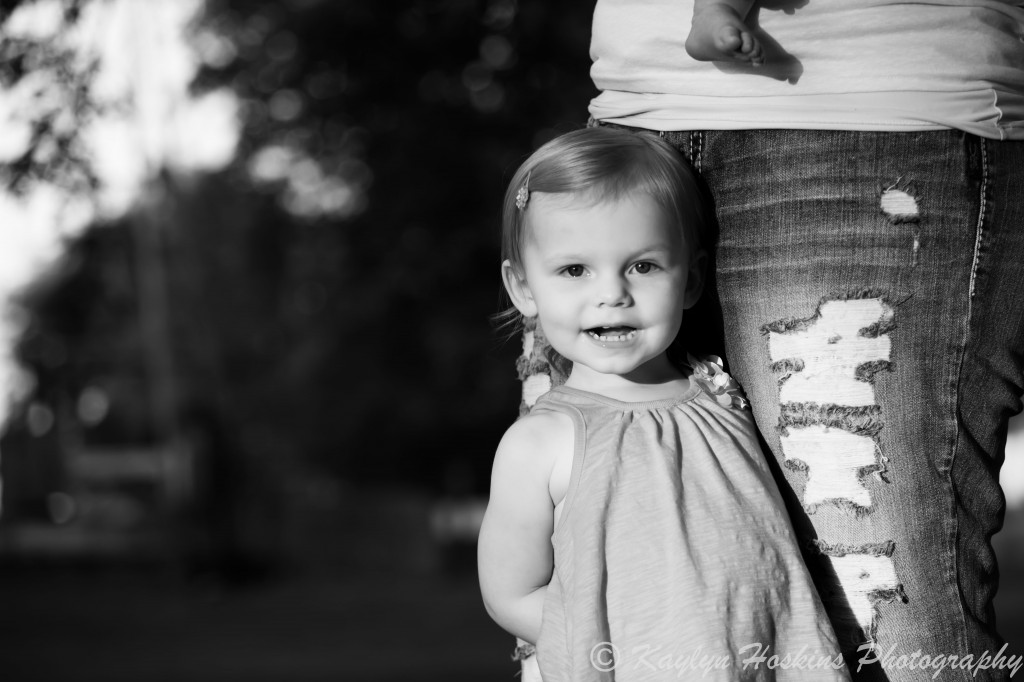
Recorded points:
871,292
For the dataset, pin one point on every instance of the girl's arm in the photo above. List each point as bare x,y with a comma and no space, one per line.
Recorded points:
514,550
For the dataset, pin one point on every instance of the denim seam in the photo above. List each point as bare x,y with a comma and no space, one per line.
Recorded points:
982,207
955,526
696,148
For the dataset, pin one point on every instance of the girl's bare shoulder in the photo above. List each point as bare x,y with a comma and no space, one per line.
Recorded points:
536,441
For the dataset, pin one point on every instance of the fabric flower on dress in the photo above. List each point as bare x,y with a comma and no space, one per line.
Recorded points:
711,375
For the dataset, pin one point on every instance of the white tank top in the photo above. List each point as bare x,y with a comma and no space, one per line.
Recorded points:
831,64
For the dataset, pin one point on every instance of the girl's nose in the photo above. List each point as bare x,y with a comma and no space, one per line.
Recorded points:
614,292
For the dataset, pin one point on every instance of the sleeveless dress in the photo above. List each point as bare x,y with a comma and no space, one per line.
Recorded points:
674,557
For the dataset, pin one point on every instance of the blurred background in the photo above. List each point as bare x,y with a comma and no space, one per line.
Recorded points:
250,390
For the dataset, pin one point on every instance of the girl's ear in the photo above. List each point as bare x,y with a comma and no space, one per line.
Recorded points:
695,279
518,290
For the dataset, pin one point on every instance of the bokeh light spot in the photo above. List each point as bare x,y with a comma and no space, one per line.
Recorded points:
39,419
93,405
497,51
61,507
285,105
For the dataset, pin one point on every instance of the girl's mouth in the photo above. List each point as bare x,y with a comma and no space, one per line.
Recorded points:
612,334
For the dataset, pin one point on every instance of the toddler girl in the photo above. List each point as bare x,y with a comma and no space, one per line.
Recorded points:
634,531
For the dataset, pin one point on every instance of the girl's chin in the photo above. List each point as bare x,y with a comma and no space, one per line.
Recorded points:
654,371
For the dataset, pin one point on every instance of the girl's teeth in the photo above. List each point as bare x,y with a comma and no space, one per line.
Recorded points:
613,337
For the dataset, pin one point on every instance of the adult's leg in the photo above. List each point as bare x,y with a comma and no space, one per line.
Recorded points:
870,287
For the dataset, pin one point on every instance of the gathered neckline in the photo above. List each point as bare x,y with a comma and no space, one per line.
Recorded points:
687,394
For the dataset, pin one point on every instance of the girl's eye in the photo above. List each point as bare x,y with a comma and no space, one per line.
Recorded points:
574,271
643,268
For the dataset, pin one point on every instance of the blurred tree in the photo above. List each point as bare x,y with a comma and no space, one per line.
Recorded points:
53,85
330,290
93,96
386,130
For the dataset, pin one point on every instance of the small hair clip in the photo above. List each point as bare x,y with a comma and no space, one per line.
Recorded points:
523,195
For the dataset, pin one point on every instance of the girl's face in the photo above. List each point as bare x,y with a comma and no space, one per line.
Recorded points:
608,281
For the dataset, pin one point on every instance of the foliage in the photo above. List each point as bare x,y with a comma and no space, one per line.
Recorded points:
56,88
330,291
